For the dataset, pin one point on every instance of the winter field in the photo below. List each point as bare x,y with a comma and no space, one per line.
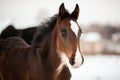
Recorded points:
98,67
26,13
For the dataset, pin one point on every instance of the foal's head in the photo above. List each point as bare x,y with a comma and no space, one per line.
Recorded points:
68,36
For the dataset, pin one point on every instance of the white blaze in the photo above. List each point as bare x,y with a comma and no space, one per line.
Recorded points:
74,27
78,59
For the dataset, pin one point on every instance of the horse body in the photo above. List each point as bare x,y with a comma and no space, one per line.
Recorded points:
13,65
11,31
29,64
54,44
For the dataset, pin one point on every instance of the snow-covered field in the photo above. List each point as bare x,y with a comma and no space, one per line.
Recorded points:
98,67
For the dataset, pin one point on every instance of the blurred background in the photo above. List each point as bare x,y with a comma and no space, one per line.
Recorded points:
99,20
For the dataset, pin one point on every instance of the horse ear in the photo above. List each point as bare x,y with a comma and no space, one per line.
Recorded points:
62,10
75,13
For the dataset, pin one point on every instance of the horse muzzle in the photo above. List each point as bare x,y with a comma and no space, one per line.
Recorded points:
76,61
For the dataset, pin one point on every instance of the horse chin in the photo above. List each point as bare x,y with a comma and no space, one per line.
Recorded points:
76,65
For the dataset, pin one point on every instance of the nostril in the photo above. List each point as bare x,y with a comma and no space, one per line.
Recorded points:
72,61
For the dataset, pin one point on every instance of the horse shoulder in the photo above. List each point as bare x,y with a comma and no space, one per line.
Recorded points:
65,74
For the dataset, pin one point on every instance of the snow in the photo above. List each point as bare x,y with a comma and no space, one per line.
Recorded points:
98,67
91,37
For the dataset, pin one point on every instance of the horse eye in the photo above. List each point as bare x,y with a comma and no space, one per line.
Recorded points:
64,32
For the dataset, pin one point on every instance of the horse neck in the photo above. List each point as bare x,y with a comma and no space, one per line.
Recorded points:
51,57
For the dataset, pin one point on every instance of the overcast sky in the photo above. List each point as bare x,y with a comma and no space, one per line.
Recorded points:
29,12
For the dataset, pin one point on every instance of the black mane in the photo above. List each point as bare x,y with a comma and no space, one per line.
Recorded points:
44,29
